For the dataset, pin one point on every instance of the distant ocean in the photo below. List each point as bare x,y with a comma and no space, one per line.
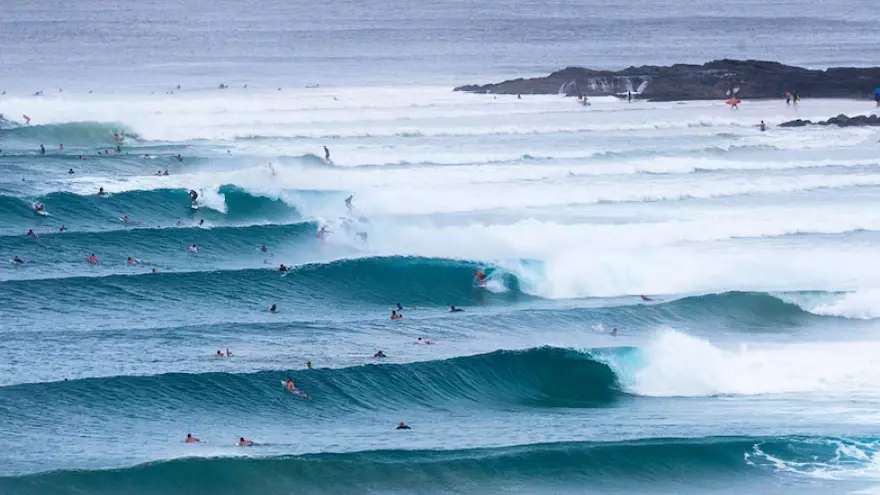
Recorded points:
674,301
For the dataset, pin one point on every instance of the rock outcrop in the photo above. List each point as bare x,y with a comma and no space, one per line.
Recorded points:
755,78
840,121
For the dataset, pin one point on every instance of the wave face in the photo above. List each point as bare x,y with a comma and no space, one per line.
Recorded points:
673,301
560,468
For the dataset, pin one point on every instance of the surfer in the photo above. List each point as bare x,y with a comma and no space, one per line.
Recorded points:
27,120
273,308
179,158
62,228
219,353
201,222
290,385
614,332
348,203
402,426
379,354
101,191
159,172
264,249
228,354
132,261
39,207
31,233
480,278
309,364
271,169
193,195
400,307
125,219
453,309
93,259
245,443
61,147
70,171
154,271
193,249
646,298
322,233
282,268
17,260
788,97
327,154
424,341
42,150
763,126
191,439
395,315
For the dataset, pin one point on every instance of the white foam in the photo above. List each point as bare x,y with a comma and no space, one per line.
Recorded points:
861,305
675,364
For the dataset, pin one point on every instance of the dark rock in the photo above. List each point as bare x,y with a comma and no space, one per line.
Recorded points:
795,123
755,78
840,121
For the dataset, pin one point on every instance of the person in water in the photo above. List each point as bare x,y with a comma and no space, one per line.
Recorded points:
379,354
327,154
282,268
228,354
273,308
125,219
132,261
453,309
245,443
309,364
101,191
614,332
763,126
62,228
17,260
646,298
219,353
179,158
191,439
201,222
31,233
42,150
348,203
480,277
70,171
93,259
154,271
290,385
424,341
395,315
60,147
39,207
194,249
400,307
402,426
264,249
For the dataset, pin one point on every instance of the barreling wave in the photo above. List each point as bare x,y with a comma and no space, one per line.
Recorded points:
565,467
540,377
83,134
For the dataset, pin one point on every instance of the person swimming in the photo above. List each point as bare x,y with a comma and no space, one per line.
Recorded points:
453,309
17,260
402,426
191,439
194,249
245,443
395,315
30,233
93,259
379,354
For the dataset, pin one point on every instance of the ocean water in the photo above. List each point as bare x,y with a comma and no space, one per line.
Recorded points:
751,365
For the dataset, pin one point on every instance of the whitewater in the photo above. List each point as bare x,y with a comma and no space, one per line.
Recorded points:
674,301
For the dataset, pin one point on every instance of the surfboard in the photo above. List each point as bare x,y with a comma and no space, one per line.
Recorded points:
42,213
195,206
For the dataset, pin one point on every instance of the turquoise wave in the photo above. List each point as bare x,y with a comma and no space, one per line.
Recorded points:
656,465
